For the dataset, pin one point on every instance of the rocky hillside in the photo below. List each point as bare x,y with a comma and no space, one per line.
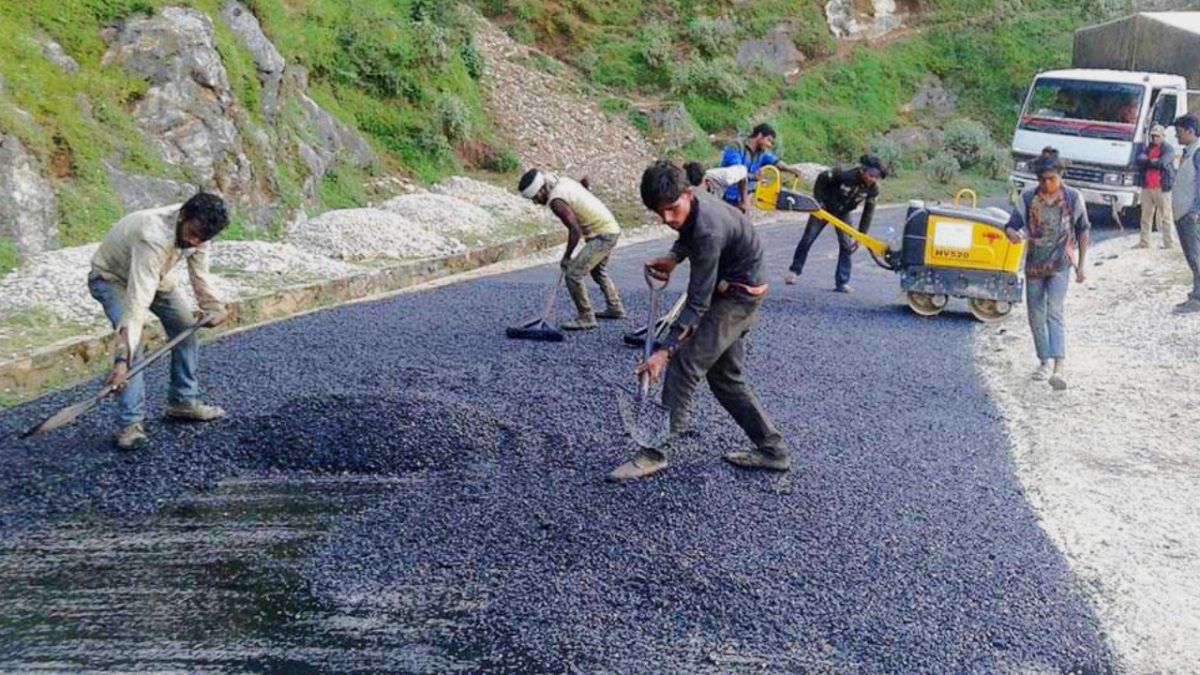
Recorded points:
284,107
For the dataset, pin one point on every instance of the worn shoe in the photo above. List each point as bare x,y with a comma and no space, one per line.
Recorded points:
611,313
1057,381
844,288
790,278
756,460
1042,373
1187,306
194,412
645,463
131,437
581,323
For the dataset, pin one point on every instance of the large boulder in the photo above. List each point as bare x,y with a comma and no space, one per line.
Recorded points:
188,111
138,192
776,52
671,127
28,207
267,59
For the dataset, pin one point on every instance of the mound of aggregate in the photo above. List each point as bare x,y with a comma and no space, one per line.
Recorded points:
901,541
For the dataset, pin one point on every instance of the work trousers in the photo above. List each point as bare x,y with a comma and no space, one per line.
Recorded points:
172,310
593,258
1044,297
841,275
1156,210
717,352
1189,241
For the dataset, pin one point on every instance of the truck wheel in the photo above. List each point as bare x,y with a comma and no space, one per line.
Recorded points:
989,311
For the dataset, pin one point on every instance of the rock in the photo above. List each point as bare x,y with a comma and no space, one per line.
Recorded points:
776,52
932,101
188,110
915,141
267,59
28,206
336,140
138,192
56,55
671,126
857,19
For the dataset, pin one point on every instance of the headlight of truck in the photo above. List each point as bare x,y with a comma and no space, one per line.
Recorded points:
1021,166
1127,179
1112,179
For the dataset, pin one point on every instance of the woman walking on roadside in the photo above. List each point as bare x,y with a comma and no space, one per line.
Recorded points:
1053,217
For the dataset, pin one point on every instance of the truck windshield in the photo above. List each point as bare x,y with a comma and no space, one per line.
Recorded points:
1080,108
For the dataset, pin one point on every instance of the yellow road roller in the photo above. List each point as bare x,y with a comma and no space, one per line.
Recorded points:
946,252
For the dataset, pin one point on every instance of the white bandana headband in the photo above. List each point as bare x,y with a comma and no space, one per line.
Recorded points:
539,180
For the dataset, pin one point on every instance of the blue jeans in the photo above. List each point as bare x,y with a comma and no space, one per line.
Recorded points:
841,275
1044,298
176,318
1189,241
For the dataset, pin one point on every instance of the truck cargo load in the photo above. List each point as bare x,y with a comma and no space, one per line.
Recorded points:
1156,42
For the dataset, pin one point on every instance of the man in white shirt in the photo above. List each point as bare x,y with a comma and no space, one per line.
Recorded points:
129,279
718,180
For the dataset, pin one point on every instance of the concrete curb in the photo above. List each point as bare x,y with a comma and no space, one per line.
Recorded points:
74,359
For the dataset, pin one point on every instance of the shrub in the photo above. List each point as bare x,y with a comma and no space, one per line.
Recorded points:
504,161
454,117
942,168
890,152
655,45
995,162
712,37
716,79
966,140
472,59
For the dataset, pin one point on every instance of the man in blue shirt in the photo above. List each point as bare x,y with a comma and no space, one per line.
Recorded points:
754,155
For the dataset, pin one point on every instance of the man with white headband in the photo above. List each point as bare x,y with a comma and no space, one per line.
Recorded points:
587,218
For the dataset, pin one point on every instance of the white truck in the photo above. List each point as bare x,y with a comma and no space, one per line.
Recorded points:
1129,75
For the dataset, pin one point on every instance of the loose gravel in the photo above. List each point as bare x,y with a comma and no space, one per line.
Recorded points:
367,234
902,541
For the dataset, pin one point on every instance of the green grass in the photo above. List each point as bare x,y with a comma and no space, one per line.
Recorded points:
8,256
384,66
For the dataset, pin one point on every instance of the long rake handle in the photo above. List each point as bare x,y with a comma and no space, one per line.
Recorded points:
548,305
110,389
656,290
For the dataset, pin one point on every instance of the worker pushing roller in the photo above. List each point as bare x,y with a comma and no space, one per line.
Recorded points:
947,251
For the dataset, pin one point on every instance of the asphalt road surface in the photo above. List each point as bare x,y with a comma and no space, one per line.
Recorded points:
901,541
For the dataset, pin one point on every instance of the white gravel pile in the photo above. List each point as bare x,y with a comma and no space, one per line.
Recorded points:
1111,465
284,262
365,234
56,282
443,215
507,207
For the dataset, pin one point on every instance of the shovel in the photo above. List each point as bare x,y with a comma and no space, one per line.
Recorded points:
71,413
647,422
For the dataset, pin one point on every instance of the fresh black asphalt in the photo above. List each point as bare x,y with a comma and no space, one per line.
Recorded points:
901,542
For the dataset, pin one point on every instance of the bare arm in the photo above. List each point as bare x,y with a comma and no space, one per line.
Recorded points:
571,222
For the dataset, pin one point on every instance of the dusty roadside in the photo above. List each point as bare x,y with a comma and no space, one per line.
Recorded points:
1112,465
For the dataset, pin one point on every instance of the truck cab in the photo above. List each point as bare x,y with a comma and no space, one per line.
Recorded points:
1099,121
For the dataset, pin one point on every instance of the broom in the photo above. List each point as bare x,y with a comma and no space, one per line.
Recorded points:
541,328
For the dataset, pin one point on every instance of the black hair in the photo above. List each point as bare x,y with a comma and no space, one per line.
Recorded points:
695,173
526,179
1188,121
207,213
662,183
1049,161
869,161
763,129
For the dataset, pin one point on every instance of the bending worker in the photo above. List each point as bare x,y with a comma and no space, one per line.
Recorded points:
726,287
586,217
129,278
840,192
718,180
